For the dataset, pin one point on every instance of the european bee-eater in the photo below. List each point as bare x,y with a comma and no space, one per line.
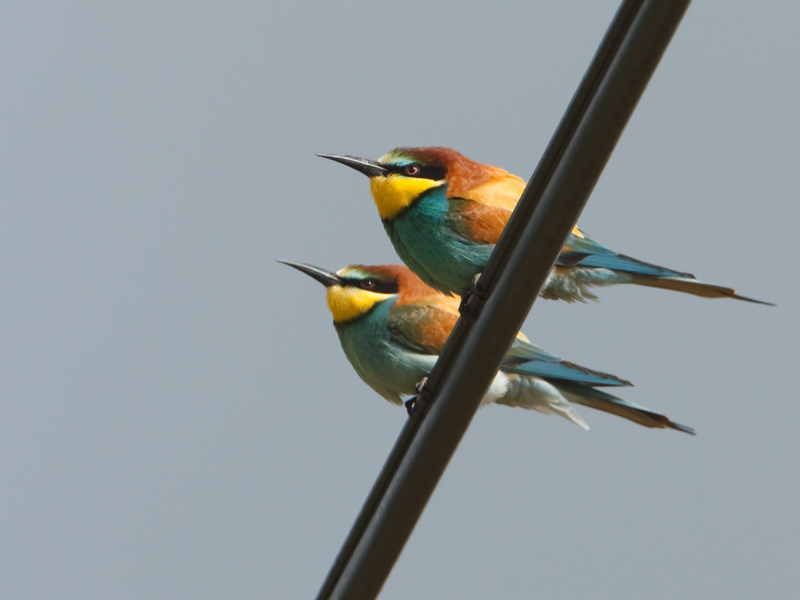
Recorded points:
444,214
392,328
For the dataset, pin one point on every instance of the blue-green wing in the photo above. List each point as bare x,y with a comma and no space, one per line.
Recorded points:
528,359
587,252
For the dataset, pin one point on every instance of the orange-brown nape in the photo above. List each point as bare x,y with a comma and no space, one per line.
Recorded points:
410,287
463,174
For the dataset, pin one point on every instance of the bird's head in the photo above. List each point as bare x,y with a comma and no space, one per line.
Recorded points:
355,290
404,175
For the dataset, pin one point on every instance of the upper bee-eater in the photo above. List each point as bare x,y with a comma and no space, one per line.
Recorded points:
392,328
444,214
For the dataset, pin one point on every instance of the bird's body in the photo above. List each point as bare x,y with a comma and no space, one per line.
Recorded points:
392,328
444,213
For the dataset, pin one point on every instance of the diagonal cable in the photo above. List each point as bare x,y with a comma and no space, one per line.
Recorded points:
548,209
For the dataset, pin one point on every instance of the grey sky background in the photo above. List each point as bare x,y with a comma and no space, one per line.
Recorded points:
178,419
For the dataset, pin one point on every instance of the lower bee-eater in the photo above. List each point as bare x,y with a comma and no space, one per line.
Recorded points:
445,212
392,328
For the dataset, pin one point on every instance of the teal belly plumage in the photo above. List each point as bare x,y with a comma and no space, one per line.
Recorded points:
384,365
425,238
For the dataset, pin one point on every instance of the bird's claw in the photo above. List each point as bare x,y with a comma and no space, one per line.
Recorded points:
476,291
462,307
410,404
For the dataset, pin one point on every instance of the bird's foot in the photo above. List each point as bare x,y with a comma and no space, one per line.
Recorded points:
410,404
471,310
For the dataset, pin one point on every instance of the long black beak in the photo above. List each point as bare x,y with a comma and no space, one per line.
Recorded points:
370,168
326,278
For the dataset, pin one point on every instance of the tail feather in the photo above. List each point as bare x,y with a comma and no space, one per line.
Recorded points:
692,286
594,398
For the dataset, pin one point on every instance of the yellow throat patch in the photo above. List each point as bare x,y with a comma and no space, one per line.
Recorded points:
394,193
346,303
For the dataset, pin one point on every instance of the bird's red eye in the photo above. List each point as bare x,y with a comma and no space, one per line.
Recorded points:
369,283
412,169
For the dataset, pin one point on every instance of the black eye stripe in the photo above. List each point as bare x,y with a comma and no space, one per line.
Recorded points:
372,284
425,171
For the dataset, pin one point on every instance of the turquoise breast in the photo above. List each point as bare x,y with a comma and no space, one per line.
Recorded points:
387,366
425,239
